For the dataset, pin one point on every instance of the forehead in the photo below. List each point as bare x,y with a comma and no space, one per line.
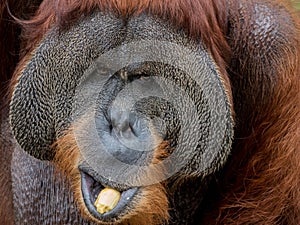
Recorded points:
205,20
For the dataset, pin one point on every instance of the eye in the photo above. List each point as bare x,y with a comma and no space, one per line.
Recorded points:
141,77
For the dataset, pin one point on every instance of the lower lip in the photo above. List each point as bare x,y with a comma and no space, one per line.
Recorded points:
126,198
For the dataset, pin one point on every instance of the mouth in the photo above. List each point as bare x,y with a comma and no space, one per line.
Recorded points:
104,202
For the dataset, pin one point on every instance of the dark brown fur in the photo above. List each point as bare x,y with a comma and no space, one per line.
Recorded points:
9,56
261,182
6,206
10,32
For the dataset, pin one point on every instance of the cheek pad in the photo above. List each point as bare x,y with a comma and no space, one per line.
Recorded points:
42,99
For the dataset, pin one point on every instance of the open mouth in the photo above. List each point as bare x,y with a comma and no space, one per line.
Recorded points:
103,202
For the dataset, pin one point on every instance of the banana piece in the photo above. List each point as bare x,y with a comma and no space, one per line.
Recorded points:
107,199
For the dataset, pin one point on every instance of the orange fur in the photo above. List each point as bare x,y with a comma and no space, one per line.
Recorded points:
261,183
267,185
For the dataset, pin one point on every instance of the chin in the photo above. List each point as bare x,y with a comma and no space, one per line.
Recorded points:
137,205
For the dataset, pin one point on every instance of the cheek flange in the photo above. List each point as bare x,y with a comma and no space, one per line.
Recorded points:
42,100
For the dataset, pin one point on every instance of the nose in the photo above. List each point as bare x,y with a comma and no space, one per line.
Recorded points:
123,123
126,135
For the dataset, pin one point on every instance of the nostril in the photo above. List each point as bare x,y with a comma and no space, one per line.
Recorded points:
127,134
121,124
132,130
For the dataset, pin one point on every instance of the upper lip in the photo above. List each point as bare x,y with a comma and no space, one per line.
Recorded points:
87,182
85,168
